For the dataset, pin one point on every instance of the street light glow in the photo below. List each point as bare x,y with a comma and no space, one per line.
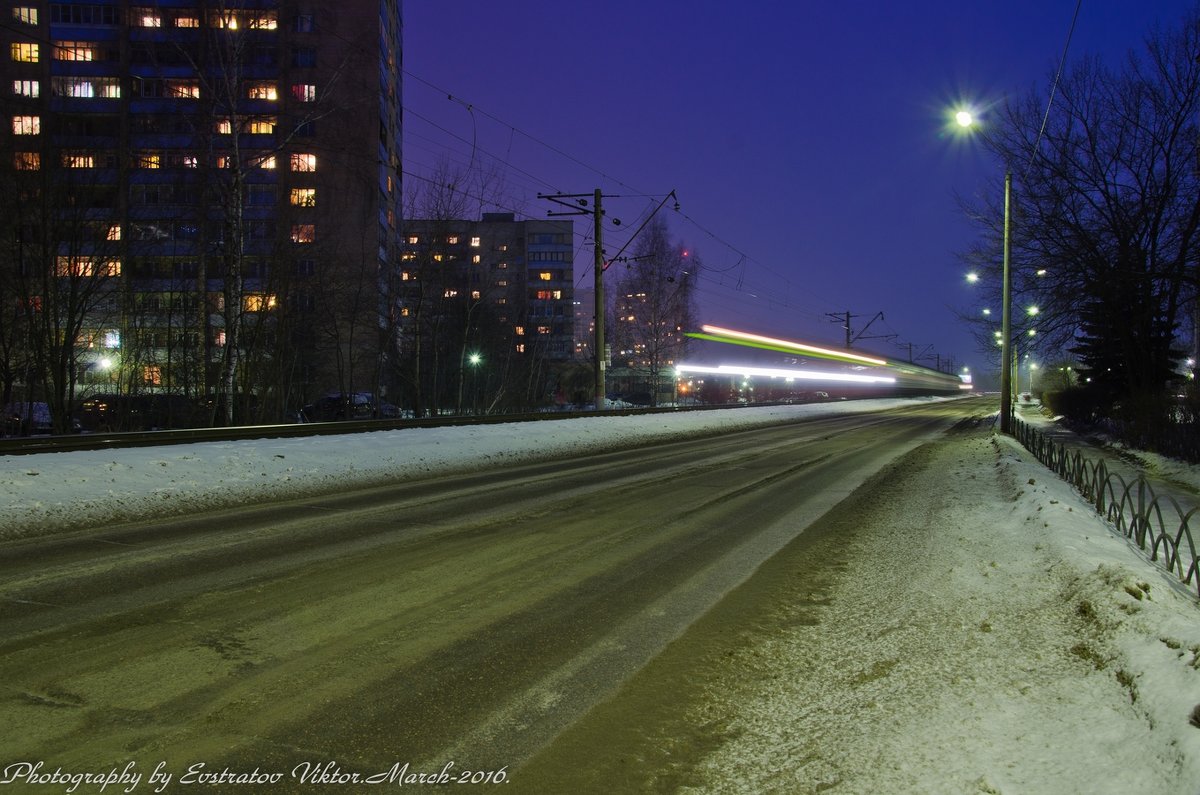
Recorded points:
964,118
972,277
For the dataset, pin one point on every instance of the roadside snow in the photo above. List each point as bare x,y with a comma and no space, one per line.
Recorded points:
993,637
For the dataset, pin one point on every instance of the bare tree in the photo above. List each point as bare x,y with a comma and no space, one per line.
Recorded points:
655,304
1106,212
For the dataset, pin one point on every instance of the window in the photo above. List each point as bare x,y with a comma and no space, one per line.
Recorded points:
546,276
27,161
147,160
304,233
224,127
86,87
304,57
185,21
27,88
75,51
260,195
475,259
261,20
26,14
27,125
475,242
256,302
302,161
304,23
85,266
266,162
83,14
262,91
182,89
78,160
304,92
452,240
25,52
113,233
152,375
304,197
262,126
145,18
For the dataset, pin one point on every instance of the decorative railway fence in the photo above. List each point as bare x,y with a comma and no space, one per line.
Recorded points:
1158,524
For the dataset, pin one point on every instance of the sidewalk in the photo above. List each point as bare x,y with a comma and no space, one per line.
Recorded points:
963,623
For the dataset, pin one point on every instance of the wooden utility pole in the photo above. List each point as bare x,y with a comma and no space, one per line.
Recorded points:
598,267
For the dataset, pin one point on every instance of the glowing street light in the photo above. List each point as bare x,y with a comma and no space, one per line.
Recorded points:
966,120
972,277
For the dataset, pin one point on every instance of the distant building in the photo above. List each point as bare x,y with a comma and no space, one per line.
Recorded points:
497,288
216,185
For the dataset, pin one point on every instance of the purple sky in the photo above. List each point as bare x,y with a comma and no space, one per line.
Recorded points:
805,140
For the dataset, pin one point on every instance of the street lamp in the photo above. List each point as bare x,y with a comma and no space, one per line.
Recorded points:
1032,366
966,120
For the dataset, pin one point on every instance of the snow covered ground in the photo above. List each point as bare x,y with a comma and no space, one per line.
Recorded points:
1030,568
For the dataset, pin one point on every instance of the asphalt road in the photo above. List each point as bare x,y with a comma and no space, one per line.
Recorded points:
460,621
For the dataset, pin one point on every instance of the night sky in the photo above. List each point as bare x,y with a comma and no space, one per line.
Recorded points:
806,141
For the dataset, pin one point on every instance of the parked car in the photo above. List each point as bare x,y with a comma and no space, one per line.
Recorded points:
26,418
349,406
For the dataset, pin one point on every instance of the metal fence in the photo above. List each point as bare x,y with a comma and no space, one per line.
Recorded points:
1158,524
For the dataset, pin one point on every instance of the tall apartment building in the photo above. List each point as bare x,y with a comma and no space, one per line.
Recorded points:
203,199
487,311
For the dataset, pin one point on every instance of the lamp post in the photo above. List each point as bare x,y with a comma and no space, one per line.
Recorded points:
966,120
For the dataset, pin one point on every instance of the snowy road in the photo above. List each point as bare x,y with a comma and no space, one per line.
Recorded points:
466,619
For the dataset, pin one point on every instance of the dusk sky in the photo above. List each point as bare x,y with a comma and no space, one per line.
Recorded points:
806,141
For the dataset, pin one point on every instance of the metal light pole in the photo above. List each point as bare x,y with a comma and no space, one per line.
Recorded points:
1006,353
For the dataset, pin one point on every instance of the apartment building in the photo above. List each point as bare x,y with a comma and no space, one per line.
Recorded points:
204,199
489,301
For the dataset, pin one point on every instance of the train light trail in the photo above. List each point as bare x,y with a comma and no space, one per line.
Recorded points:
734,337
782,372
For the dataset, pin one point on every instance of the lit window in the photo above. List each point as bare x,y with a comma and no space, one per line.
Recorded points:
75,51
148,160
27,125
223,19
152,375
412,240
475,259
256,302
265,161
452,240
475,242
450,294
224,127
304,92
27,88
27,161
78,160
304,233
262,91
182,89
263,126
187,22
84,266
304,197
114,232
25,52
520,347
86,87
304,162
145,18
546,276
519,331
26,14
261,20
112,339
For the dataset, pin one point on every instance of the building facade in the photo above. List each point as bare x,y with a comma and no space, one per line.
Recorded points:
486,310
205,200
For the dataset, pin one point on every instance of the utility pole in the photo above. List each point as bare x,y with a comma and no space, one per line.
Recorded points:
844,319
579,206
